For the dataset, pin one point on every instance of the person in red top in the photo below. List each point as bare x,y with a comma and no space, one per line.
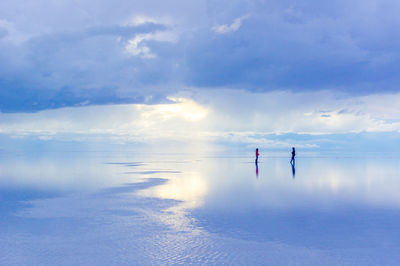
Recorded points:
257,154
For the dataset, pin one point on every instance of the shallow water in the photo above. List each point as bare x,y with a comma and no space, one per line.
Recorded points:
107,208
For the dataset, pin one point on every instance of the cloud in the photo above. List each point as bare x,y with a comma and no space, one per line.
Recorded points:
124,31
9,33
223,29
64,69
71,53
137,45
129,121
3,33
278,119
281,112
273,50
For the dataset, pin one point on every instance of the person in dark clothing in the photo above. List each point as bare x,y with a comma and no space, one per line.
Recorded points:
292,161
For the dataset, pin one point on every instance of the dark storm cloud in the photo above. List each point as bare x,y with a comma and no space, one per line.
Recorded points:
62,69
312,45
72,53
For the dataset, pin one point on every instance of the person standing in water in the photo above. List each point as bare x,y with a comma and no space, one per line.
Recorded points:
257,154
293,155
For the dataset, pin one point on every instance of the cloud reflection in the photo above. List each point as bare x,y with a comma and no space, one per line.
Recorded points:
190,189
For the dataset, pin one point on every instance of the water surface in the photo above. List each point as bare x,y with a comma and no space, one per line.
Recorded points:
134,208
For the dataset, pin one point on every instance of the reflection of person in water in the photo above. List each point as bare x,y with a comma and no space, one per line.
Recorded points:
257,154
292,161
256,170
293,170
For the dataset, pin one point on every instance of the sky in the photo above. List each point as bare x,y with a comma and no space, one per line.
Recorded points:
270,74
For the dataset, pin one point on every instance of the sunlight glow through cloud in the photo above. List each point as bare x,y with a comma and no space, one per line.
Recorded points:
211,116
188,109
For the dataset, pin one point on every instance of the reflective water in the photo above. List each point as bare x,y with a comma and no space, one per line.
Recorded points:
129,208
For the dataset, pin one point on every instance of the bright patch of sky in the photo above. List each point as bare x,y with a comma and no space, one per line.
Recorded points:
225,115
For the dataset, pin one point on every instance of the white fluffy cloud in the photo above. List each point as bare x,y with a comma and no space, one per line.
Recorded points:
322,112
225,28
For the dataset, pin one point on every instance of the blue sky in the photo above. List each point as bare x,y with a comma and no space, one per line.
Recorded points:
239,71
